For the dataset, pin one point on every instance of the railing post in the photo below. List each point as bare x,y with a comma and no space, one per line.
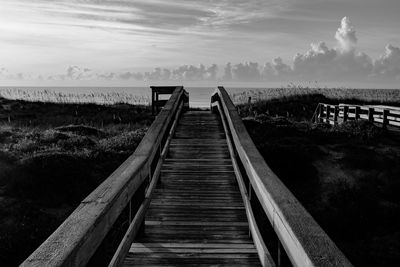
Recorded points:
321,113
157,107
371,114
357,113
345,113
385,121
152,102
328,113
336,115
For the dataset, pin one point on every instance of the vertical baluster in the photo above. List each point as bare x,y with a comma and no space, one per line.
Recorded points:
371,114
335,115
321,113
357,113
385,121
345,113
328,113
152,101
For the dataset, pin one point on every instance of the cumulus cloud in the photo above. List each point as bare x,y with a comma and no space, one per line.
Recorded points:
195,73
281,68
227,72
78,73
346,35
388,65
324,63
181,73
248,71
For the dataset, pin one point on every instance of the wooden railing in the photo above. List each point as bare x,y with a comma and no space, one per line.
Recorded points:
81,234
334,114
303,240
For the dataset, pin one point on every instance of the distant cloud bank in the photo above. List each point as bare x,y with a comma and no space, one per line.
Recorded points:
344,63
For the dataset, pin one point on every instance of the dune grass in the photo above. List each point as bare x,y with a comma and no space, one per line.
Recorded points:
346,176
51,157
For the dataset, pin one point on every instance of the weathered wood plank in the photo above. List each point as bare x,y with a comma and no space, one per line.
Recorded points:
197,209
304,241
77,239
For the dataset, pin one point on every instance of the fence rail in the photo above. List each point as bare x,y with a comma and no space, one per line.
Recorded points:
81,234
303,240
335,114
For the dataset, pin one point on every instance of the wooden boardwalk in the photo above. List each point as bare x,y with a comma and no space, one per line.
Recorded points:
192,182
196,215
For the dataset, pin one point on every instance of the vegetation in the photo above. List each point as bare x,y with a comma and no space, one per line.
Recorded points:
346,176
36,94
334,94
51,157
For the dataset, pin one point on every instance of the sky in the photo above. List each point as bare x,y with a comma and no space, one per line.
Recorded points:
124,42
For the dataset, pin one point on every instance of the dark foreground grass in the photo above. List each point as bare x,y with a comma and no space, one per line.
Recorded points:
51,157
346,176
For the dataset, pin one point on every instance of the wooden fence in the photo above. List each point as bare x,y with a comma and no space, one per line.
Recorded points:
334,114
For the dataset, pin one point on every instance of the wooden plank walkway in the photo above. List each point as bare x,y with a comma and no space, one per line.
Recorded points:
196,216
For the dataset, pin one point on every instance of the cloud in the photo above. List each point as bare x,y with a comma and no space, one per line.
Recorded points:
193,73
227,72
341,63
77,73
248,71
280,68
346,35
388,65
181,73
328,63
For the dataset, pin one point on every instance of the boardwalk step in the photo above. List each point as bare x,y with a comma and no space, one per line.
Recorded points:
196,216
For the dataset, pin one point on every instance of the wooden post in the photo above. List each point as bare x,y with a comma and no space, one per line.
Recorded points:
385,121
321,113
345,113
152,101
357,113
336,115
328,113
371,114
157,108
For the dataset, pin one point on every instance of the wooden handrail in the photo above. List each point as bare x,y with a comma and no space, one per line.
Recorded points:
77,238
304,241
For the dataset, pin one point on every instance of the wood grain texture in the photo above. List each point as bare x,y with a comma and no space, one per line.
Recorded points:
196,216
78,237
303,239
